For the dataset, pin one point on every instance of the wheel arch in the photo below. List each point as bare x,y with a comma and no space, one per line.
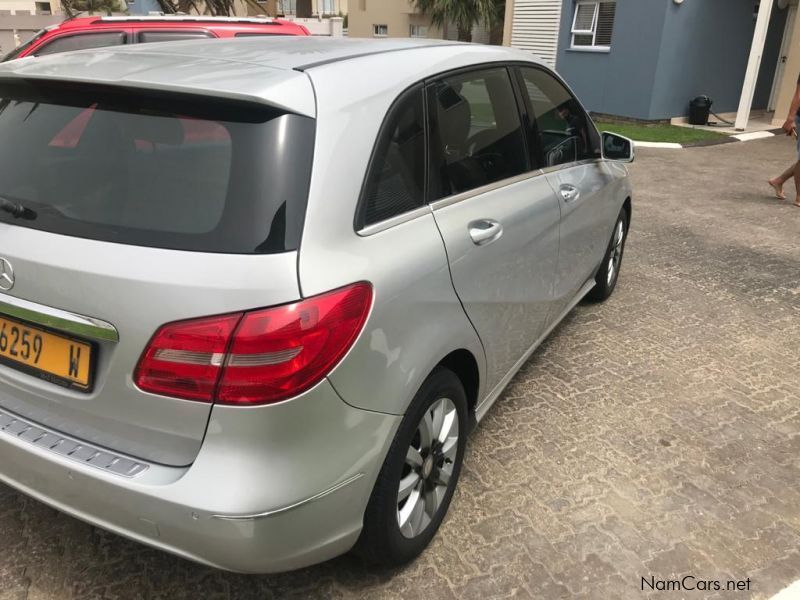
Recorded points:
628,206
464,364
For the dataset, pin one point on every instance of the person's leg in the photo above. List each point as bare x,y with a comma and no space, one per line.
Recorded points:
797,166
777,182
797,183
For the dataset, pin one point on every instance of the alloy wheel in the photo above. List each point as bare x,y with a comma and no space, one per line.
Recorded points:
616,252
428,468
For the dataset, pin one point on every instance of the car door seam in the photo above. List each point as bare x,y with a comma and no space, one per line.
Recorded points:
458,296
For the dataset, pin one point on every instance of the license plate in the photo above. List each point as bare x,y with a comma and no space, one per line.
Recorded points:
55,358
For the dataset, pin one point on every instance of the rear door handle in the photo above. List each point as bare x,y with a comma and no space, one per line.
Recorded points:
484,231
569,192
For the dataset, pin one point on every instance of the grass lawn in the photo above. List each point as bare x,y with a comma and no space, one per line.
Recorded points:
659,133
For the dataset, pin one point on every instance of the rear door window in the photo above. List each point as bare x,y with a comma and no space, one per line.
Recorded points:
476,132
83,41
139,168
144,37
561,129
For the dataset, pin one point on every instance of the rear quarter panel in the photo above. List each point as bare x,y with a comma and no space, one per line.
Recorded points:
417,318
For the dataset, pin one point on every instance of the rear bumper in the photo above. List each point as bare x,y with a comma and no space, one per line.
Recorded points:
273,488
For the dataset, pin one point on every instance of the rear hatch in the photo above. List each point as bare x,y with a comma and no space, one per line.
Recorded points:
123,210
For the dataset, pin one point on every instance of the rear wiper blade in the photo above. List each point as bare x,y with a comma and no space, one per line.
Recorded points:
17,210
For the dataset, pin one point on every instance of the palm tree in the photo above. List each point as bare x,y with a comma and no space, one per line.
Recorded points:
496,30
463,13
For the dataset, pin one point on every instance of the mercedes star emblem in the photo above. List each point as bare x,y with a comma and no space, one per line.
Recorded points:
6,275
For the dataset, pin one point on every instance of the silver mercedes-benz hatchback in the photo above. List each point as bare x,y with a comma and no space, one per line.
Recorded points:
255,294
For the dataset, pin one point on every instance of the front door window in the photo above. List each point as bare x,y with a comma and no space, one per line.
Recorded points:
564,131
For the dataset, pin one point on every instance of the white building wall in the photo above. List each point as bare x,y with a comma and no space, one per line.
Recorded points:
480,33
329,26
28,6
534,27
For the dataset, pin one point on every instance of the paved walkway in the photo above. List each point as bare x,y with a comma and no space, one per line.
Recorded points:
657,435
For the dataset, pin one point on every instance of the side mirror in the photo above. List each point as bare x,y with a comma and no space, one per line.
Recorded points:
617,147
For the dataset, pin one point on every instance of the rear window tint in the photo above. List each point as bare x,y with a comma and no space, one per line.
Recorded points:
164,171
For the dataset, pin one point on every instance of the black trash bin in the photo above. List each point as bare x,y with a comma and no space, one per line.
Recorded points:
699,109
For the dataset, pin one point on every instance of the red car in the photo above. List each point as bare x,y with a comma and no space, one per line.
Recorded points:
95,32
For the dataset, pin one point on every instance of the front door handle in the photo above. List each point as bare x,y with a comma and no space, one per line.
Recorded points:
569,192
484,231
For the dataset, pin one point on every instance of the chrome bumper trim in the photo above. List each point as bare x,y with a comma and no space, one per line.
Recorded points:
278,511
81,452
56,318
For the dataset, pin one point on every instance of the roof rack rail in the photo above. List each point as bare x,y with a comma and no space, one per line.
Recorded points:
191,19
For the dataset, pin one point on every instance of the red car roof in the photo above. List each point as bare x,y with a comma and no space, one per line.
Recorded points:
216,24
220,27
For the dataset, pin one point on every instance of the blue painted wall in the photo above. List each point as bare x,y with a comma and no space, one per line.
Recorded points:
621,81
663,55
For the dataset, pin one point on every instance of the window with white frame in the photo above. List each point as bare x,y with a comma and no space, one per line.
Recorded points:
287,7
418,31
380,30
593,24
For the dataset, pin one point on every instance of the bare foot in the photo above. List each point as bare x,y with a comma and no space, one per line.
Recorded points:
797,202
778,187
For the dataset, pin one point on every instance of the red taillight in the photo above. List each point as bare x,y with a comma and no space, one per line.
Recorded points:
255,357
184,359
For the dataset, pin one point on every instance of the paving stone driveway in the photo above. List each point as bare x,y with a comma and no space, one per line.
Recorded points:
656,435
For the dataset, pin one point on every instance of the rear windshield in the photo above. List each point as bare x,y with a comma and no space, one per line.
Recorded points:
168,171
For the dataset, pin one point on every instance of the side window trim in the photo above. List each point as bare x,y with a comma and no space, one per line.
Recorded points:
489,187
529,121
522,113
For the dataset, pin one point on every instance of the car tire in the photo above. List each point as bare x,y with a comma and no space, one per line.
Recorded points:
395,530
608,274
